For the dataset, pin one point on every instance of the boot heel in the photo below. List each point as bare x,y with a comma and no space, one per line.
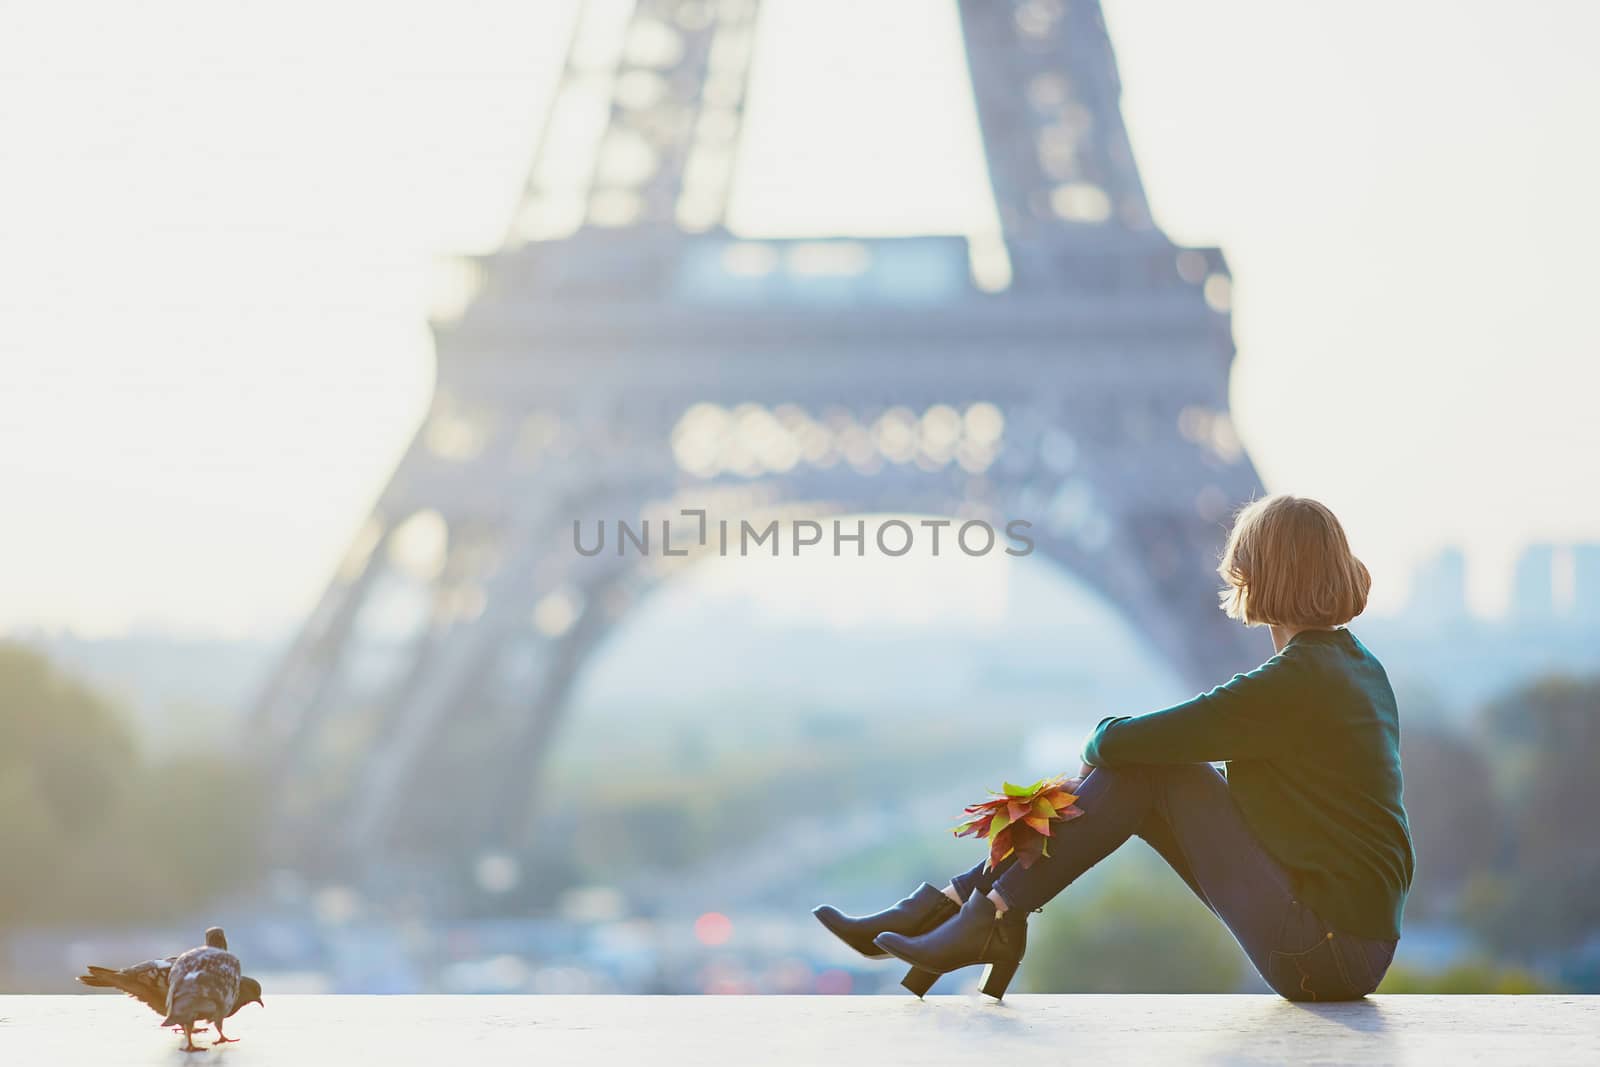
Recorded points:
919,981
997,976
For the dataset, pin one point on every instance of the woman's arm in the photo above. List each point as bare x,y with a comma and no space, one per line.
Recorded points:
1248,717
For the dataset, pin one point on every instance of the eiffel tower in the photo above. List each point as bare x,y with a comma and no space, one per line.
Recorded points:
623,355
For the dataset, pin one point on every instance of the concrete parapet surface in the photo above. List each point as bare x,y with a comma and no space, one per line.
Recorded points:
817,1031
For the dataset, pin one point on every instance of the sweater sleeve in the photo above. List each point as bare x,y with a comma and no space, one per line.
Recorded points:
1248,717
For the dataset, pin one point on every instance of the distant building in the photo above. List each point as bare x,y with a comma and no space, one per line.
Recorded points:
1533,585
1557,582
1439,589
1586,583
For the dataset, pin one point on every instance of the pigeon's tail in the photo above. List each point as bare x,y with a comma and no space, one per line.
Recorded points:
99,977
170,1021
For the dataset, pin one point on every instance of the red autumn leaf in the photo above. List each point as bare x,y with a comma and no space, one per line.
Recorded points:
1029,851
1017,819
980,826
1000,848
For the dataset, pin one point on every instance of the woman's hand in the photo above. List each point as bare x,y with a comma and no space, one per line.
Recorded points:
1074,784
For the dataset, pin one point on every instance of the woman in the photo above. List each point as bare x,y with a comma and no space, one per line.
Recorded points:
1302,848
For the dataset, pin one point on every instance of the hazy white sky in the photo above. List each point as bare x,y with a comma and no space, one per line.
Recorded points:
218,224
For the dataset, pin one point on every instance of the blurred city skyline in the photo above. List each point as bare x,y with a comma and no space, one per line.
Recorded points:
216,350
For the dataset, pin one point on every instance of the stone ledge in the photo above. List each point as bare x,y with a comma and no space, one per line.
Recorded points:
819,1031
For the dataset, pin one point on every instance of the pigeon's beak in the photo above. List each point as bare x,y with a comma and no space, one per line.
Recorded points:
261,1002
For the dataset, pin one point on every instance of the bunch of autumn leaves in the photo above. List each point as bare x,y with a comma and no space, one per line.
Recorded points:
1017,819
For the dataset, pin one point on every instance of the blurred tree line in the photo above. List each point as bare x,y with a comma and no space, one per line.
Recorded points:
1529,884
93,830
694,791
1131,926
1507,849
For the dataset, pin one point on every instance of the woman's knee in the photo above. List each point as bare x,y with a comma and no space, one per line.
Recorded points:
1184,772
1126,772
1126,781
1159,774
1153,783
1185,777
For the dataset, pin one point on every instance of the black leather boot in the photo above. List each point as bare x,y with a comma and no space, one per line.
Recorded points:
916,914
976,935
922,911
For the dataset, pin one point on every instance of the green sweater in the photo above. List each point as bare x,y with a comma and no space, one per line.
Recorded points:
1312,742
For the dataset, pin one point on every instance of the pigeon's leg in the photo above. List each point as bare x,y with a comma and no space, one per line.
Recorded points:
222,1038
188,1033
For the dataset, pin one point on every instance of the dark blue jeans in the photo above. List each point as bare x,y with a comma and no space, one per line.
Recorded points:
1187,815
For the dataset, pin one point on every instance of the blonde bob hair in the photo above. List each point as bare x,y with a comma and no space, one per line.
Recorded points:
1288,564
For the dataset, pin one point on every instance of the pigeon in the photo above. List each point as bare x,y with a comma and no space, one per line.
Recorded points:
147,982
202,984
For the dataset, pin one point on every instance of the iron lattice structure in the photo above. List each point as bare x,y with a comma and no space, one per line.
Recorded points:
624,355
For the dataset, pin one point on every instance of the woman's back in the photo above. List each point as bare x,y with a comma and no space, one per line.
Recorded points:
1325,794
1312,742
